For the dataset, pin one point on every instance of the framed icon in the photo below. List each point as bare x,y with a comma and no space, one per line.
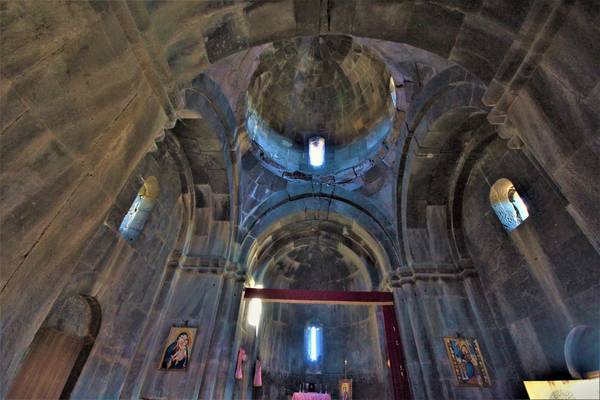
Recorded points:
345,389
466,361
178,348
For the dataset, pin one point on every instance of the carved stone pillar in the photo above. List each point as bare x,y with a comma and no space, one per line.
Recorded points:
218,375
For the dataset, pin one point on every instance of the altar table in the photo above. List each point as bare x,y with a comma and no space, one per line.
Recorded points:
311,396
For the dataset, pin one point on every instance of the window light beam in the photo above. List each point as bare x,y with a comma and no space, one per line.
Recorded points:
313,344
316,151
255,311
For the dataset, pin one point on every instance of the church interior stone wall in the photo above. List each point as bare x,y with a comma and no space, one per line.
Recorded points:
124,277
533,276
97,97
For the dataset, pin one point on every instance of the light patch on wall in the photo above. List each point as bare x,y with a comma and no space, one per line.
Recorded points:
255,311
316,151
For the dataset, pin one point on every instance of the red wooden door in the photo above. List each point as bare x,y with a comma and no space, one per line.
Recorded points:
47,367
395,354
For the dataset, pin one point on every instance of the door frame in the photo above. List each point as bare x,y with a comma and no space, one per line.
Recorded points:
385,300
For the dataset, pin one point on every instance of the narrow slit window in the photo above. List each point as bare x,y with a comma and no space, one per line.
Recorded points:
393,92
139,212
312,354
508,205
316,151
314,343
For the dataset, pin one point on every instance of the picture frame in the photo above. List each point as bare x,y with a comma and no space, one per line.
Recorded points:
177,348
467,361
345,386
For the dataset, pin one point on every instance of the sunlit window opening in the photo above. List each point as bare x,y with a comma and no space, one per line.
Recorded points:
316,151
393,92
255,311
314,342
509,207
133,223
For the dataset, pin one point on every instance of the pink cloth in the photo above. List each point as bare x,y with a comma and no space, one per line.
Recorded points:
257,374
241,358
311,396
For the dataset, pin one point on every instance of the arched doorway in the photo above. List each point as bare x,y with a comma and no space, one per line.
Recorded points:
59,350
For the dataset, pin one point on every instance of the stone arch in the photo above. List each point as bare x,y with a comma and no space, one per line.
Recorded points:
187,198
445,127
356,202
79,315
334,240
88,329
345,237
356,229
206,130
205,133
466,162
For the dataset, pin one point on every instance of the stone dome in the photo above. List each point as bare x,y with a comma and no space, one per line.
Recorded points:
327,86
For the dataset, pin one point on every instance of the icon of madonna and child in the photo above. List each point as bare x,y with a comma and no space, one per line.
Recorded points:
178,347
467,361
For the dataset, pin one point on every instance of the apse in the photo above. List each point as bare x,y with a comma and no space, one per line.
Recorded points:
316,344
348,343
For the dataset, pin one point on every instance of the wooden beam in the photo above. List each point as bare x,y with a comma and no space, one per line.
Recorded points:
320,297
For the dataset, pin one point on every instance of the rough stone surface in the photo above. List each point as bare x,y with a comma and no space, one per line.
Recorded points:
97,96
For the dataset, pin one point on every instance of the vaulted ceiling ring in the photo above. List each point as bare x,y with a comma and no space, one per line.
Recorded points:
302,248
319,258
319,108
317,199
307,235
355,230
